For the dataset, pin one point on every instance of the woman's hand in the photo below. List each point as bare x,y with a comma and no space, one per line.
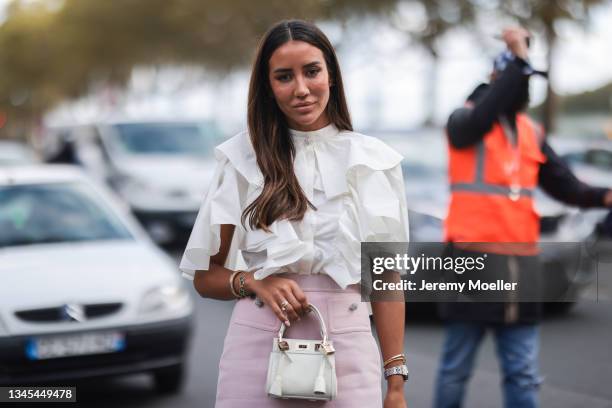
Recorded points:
279,293
395,397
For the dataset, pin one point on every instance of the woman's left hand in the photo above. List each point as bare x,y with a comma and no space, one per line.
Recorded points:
395,399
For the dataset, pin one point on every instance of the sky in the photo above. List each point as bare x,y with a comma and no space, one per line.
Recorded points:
385,76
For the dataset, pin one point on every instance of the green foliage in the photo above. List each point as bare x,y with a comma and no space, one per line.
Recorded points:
49,54
598,100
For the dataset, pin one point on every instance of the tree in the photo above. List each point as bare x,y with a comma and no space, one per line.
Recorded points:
26,85
49,53
435,18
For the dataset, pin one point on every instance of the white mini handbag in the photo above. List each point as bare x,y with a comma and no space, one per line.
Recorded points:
302,369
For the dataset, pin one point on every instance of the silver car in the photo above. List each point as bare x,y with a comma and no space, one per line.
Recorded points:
160,169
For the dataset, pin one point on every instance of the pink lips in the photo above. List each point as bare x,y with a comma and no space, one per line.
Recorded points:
304,107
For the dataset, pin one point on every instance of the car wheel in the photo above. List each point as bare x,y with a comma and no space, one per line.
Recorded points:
169,380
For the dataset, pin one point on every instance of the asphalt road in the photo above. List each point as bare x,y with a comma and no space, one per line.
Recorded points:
576,361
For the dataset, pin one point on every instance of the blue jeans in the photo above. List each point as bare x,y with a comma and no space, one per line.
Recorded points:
517,349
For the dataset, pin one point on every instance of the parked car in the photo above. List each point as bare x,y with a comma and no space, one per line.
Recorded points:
161,169
564,229
594,154
15,153
84,291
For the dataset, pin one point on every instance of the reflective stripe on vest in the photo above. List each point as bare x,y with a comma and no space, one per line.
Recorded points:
479,186
491,189
489,202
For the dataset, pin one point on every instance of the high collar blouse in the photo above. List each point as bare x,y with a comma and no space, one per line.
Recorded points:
354,181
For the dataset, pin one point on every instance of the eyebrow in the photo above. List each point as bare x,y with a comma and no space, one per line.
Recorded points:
309,65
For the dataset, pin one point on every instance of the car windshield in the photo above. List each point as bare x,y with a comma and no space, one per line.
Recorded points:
164,139
55,213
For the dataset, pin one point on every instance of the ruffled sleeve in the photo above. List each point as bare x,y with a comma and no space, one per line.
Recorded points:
222,205
375,208
388,220
382,198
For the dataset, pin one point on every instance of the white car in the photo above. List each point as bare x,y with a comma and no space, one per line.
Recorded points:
160,169
14,153
84,292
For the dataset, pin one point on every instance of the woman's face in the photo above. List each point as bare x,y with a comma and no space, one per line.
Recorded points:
300,84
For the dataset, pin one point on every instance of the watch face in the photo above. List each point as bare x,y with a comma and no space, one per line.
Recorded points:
397,370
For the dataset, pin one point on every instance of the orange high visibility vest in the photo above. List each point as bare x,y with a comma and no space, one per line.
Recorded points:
492,187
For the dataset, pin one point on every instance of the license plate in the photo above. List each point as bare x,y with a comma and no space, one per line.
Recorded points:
40,348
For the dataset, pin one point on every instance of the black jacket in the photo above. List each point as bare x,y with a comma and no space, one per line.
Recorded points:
466,127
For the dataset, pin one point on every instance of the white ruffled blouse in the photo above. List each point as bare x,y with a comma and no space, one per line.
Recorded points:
354,181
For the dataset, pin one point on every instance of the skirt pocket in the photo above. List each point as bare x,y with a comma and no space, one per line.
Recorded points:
347,314
247,313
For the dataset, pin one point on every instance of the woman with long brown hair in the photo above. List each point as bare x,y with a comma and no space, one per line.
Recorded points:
296,194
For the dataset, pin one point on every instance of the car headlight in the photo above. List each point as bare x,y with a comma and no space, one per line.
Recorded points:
165,299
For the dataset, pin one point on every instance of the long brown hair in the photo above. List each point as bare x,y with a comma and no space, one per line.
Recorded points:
282,195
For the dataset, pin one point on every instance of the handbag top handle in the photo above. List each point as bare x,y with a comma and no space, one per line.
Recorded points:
322,326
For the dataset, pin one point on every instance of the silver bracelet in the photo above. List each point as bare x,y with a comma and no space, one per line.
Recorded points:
397,370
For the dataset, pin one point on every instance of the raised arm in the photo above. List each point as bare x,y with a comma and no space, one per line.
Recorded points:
468,125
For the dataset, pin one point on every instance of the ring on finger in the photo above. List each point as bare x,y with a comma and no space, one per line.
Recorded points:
284,305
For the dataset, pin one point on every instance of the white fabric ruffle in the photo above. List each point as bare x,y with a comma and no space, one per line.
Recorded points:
221,206
374,211
364,170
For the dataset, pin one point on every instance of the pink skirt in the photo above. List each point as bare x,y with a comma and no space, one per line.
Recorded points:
244,362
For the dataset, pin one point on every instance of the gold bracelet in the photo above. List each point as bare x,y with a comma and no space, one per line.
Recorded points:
231,284
397,357
394,357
